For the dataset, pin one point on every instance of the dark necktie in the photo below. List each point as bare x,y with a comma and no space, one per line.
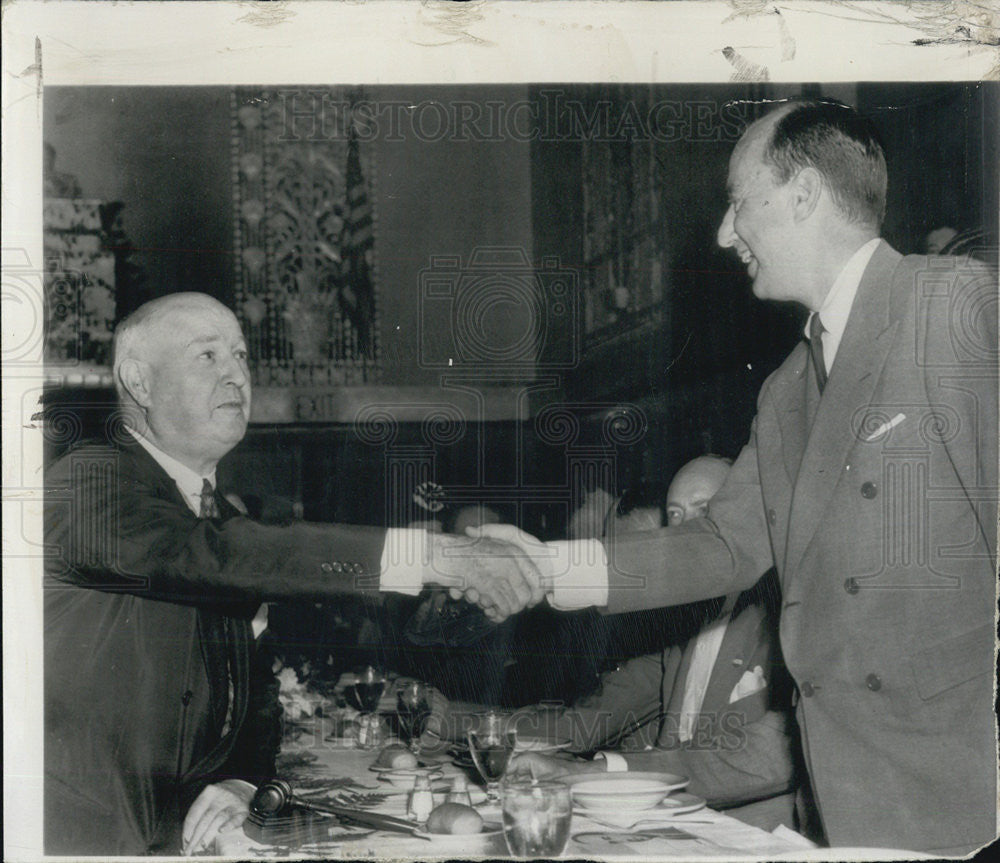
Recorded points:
208,507
816,331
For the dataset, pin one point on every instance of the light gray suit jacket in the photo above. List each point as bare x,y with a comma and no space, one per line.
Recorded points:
877,504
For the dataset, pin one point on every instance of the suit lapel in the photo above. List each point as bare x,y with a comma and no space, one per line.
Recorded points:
792,406
853,378
738,644
226,642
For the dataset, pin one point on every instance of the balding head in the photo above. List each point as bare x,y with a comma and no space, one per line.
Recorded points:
693,486
181,361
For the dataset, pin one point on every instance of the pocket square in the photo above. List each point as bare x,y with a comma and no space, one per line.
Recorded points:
885,428
751,682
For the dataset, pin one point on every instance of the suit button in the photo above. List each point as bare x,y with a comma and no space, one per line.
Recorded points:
358,569
807,690
338,567
186,698
772,517
869,490
873,682
326,567
851,586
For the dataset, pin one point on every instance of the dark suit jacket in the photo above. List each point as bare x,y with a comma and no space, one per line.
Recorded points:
145,606
885,544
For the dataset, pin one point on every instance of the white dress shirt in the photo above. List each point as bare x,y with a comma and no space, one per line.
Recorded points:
707,643
836,308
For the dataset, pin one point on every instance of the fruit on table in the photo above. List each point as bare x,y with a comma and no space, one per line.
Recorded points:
454,818
396,756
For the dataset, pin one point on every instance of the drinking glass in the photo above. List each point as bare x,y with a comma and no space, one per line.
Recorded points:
491,747
413,708
536,817
365,694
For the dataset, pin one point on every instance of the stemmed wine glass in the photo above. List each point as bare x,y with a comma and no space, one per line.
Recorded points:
491,747
365,695
413,708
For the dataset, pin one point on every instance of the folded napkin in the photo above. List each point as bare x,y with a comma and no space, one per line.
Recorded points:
797,840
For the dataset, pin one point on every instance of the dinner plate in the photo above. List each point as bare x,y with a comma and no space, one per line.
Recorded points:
523,743
678,803
530,743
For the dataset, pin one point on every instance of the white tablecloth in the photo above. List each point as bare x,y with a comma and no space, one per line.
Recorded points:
709,834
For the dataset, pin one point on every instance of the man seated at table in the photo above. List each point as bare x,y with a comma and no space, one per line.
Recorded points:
715,709
152,583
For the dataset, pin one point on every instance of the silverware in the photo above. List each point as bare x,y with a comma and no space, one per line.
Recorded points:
273,796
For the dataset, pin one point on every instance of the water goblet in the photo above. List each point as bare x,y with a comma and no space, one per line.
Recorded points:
413,708
365,694
491,747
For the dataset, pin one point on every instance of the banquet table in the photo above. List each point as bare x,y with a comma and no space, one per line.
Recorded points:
316,762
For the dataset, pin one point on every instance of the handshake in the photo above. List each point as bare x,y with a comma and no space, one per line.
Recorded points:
497,567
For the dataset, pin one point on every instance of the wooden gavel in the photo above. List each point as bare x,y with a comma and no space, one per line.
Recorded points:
272,797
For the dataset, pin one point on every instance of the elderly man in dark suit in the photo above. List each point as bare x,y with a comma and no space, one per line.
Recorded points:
152,587
869,481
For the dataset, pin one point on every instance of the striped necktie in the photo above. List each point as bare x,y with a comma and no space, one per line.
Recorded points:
816,330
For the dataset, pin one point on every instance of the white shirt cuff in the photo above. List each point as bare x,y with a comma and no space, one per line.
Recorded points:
404,556
615,762
579,574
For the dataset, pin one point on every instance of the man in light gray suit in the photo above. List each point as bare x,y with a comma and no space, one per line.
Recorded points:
869,481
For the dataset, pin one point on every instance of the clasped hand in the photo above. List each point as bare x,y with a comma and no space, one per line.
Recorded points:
492,568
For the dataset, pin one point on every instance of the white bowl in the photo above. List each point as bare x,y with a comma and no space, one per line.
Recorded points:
635,791
638,793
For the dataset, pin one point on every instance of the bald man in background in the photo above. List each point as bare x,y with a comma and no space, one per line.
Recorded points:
715,709
153,583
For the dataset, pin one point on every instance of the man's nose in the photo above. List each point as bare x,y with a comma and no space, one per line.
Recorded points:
726,235
235,372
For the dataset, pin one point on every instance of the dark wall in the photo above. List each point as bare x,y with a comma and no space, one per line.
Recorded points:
165,152
697,376
941,149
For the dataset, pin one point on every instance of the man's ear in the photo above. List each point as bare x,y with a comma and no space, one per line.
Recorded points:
807,188
134,377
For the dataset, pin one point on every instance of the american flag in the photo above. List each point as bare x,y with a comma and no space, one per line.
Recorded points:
357,293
